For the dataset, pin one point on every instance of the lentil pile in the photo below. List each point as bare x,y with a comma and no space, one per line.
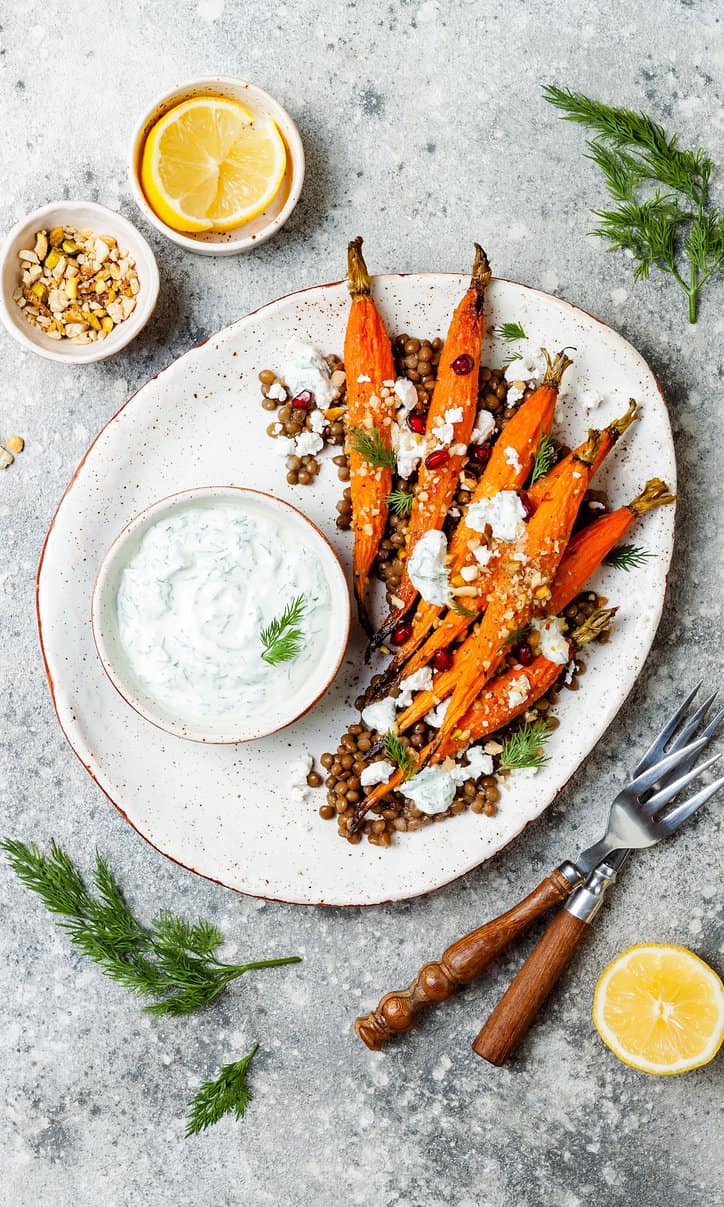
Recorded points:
416,359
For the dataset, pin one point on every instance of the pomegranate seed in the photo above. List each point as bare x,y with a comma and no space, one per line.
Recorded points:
524,654
463,365
528,504
480,453
416,423
303,400
402,634
442,660
441,456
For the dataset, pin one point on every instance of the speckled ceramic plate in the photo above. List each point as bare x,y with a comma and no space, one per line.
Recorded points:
225,812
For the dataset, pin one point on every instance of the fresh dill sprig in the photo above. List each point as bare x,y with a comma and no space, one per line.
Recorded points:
545,456
229,1091
460,610
400,502
627,557
371,446
399,754
282,638
514,637
524,747
510,360
663,215
173,962
510,332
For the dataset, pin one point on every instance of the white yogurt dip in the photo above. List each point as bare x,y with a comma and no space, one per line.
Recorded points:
193,599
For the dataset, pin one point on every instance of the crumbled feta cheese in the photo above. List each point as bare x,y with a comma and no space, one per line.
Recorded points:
380,715
570,672
469,573
318,421
277,429
444,433
428,570
511,456
518,691
479,763
515,775
362,378
458,450
418,681
407,394
591,399
277,391
553,643
307,443
306,369
410,449
284,446
298,771
484,427
528,366
432,790
376,773
482,554
454,415
504,513
436,716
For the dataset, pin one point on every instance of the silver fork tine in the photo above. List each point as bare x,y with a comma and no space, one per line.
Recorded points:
706,733
656,749
691,726
670,761
682,812
667,793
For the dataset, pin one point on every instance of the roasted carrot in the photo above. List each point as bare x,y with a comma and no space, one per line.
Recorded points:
456,389
370,369
454,624
584,555
508,469
522,586
609,436
492,709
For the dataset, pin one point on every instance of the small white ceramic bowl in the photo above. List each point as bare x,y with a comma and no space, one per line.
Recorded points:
266,224
83,215
104,616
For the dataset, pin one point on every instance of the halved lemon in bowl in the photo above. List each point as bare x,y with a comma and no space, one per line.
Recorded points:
660,1009
211,164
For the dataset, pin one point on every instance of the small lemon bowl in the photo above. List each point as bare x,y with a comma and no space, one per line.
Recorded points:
264,225
83,215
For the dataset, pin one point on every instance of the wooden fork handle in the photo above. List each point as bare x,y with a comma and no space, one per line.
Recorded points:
531,987
460,964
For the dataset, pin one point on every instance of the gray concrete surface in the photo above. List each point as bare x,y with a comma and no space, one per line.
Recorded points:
424,127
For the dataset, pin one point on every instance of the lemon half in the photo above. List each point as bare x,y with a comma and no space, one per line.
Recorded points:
660,1009
210,164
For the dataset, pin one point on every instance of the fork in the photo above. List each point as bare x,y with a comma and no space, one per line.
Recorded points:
635,821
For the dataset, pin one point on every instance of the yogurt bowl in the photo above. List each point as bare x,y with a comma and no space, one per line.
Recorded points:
221,614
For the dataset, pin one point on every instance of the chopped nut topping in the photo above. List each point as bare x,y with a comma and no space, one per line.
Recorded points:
76,285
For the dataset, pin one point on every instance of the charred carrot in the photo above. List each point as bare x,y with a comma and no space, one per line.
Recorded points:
370,369
508,469
493,710
584,555
609,436
454,624
455,393
522,586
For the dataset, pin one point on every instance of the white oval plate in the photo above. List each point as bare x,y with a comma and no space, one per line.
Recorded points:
225,812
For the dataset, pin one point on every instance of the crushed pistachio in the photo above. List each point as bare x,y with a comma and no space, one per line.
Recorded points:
75,284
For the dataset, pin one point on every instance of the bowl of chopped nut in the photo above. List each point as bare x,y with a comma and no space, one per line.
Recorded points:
78,282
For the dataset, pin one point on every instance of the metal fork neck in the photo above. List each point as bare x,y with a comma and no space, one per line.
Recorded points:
586,901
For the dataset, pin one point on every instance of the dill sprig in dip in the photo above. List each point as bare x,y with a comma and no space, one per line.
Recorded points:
223,613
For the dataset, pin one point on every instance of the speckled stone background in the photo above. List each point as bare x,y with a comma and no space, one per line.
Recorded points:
424,128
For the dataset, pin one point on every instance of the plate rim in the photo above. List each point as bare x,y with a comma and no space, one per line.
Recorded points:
296,293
